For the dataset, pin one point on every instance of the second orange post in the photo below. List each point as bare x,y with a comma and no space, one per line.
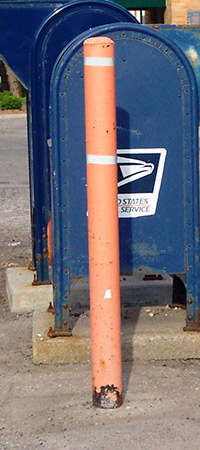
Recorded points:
100,116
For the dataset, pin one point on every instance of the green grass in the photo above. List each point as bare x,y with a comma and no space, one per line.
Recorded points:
10,101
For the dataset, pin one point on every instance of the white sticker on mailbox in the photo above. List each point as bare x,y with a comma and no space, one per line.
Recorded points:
140,173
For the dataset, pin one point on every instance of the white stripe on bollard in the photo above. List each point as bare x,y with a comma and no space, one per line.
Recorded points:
98,61
101,159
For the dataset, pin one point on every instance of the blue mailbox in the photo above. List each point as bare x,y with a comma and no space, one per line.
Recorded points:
33,34
158,183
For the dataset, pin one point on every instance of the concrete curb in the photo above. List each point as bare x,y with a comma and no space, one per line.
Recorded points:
14,115
22,295
154,335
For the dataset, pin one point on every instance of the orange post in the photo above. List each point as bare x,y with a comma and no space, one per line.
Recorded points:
103,233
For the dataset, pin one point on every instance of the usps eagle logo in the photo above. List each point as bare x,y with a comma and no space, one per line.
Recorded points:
140,174
133,169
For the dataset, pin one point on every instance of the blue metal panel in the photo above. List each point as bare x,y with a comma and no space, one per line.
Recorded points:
19,22
57,31
188,39
156,108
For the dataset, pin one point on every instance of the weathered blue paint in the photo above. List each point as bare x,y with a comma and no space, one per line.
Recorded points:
188,39
157,107
19,22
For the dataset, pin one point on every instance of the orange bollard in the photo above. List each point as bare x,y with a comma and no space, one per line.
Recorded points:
103,233
49,241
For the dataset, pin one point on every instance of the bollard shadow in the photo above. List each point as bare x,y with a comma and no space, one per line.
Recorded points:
143,306
79,305
123,129
129,319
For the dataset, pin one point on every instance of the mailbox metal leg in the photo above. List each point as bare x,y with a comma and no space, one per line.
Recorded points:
41,193
39,200
182,296
61,247
41,250
61,283
193,316
193,310
31,187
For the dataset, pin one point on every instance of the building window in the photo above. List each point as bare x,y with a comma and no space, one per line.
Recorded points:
138,14
193,17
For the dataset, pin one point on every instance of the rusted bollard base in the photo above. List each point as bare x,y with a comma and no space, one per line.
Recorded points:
108,398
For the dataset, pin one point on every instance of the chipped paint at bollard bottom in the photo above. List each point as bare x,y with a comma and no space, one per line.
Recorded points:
109,397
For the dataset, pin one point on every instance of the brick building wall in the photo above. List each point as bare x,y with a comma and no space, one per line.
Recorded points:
176,10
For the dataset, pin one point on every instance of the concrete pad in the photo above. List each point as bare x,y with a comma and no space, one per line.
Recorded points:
22,295
60,350
147,333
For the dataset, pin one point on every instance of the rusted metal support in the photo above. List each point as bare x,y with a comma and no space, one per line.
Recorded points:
193,318
103,233
52,333
49,241
30,266
51,308
39,283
